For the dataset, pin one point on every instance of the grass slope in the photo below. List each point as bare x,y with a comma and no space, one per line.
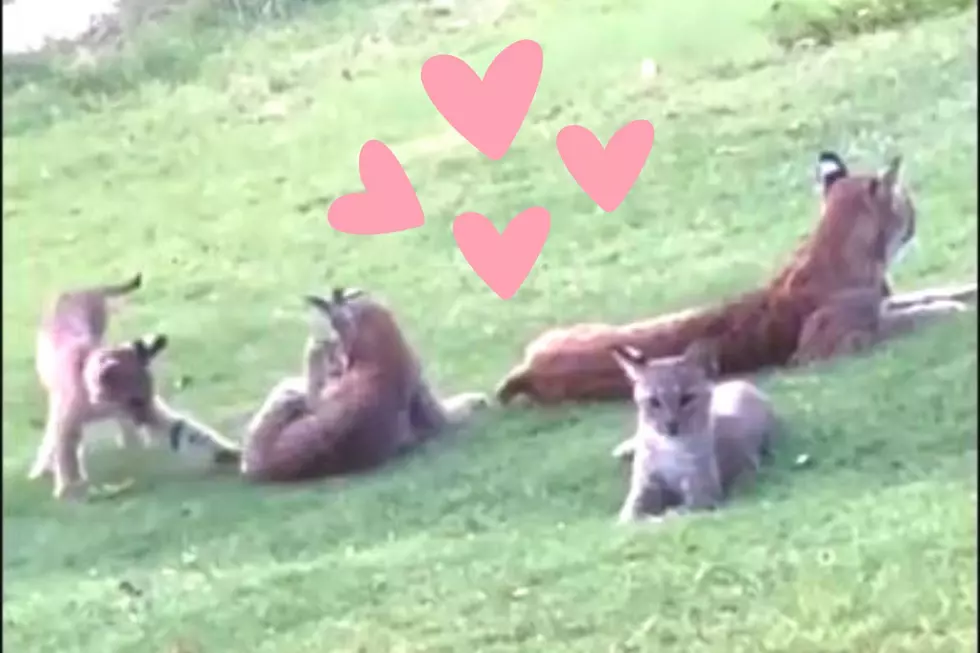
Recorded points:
503,540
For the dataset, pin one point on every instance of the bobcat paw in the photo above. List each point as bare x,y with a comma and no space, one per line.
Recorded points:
640,519
624,449
477,400
38,470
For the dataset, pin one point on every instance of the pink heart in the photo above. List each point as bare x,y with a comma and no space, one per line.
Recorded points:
606,174
489,112
389,203
502,260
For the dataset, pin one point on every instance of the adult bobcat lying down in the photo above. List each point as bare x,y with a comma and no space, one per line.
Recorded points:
88,380
361,401
694,438
831,298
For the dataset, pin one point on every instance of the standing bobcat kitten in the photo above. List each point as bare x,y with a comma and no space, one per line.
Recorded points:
694,438
88,381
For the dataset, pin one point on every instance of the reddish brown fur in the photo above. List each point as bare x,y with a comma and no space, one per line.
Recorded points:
863,221
377,408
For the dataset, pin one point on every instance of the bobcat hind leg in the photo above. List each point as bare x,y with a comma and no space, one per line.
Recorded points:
429,415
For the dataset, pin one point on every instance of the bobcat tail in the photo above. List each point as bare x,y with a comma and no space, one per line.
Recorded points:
515,383
124,288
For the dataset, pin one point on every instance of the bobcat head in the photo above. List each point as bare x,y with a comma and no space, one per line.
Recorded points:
673,394
366,330
871,212
120,376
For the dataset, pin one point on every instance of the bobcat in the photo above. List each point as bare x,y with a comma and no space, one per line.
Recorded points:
87,380
866,222
361,401
694,438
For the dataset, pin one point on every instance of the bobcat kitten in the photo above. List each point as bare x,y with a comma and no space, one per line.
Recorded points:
694,437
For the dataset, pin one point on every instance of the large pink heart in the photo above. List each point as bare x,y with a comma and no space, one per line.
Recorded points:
489,112
389,203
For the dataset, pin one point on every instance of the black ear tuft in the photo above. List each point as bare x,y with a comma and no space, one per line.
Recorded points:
149,346
318,302
830,169
339,295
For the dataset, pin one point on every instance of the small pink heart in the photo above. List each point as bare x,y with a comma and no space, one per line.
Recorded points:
606,174
389,203
489,112
502,260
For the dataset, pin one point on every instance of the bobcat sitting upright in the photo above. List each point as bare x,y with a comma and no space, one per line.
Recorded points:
694,437
361,401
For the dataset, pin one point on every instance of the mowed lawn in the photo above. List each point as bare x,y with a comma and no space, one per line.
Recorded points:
503,539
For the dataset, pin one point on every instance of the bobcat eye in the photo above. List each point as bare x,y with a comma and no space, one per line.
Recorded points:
654,402
687,399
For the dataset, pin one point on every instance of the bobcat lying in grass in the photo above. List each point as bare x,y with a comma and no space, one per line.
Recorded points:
866,221
87,381
694,438
361,401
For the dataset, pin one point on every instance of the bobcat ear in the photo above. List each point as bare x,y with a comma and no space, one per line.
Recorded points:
630,359
334,310
319,303
703,354
892,173
830,169
353,293
149,346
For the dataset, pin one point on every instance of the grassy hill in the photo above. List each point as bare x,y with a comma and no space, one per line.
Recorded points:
205,154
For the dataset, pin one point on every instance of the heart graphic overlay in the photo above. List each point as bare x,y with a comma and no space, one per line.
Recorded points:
389,203
606,174
502,260
488,113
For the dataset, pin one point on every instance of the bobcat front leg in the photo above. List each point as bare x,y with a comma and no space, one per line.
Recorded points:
316,368
70,479
839,328
966,293
645,497
643,501
44,457
702,491
899,321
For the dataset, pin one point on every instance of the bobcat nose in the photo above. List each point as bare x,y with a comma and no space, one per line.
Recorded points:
672,427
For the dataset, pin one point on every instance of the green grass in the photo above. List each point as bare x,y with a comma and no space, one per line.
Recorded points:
216,187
